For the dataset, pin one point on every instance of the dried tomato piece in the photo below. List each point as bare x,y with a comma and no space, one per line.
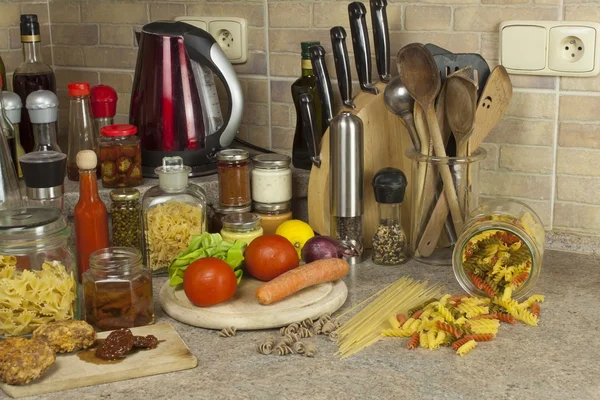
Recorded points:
124,163
130,151
109,153
145,342
116,345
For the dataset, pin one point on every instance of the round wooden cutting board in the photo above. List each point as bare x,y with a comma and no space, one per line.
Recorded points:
245,313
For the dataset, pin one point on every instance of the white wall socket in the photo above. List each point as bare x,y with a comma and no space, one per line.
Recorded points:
231,33
557,48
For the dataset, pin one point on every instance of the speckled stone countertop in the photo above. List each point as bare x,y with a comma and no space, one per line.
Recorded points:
557,360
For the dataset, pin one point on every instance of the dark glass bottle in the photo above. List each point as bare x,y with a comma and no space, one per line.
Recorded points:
307,83
3,74
31,75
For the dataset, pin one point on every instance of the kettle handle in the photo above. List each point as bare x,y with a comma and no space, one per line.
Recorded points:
202,48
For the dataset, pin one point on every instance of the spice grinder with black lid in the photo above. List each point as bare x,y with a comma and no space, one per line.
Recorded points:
44,174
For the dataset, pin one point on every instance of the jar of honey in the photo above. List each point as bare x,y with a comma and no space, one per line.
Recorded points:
120,156
273,215
118,289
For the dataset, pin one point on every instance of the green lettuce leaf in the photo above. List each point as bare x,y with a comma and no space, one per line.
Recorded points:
208,245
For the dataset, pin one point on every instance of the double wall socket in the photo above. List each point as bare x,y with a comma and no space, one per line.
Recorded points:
550,48
231,34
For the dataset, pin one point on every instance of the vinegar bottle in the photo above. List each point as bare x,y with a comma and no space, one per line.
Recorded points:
82,131
91,216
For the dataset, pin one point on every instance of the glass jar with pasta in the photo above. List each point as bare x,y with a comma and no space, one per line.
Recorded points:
174,212
38,272
500,251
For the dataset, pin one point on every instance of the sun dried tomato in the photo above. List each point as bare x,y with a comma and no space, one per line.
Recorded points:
124,163
116,345
130,151
109,153
145,342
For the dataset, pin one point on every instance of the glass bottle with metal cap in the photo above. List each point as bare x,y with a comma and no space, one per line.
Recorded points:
346,176
42,106
11,102
32,74
219,212
44,173
389,240
173,213
245,227
234,178
126,218
271,178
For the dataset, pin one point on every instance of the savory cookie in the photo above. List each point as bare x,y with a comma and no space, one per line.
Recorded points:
66,336
23,360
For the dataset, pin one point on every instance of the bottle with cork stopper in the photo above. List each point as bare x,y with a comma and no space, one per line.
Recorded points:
91,216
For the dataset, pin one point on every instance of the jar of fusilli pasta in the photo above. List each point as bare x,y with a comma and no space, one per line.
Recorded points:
500,250
173,213
38,272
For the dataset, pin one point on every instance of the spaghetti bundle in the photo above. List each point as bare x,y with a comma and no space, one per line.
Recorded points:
364,328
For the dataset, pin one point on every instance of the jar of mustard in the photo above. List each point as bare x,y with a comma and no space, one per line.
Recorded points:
245,227
273,215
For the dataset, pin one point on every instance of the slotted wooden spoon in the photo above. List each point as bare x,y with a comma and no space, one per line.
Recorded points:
418,71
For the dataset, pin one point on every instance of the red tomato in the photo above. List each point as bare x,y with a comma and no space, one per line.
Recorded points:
269,256
209,281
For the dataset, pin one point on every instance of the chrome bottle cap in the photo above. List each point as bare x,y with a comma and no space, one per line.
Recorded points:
42,106
346,165
11,102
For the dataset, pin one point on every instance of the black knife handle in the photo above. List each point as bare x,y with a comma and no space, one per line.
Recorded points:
317,58
342,64
309,127
381,38
361,45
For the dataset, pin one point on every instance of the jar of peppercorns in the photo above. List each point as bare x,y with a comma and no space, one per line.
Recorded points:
126,218
120,156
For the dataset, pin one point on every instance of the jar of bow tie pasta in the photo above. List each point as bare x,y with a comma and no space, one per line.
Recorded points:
499,253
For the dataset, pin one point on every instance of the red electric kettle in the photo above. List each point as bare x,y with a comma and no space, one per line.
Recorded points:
174,101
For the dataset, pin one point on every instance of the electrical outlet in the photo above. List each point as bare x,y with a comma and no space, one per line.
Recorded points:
230,33
557,48
571,49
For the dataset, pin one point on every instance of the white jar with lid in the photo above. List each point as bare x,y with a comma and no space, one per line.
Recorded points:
271,178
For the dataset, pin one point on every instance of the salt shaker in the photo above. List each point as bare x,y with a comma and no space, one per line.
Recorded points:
389,240
346,179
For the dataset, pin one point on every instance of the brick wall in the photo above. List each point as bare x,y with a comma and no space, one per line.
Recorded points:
545,151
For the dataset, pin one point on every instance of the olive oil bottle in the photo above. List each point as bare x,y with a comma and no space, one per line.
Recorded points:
307,83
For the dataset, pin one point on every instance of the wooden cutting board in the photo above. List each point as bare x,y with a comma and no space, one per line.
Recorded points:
245,313
70,372
385,142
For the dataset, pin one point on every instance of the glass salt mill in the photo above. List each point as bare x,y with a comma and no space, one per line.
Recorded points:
11,102
389,241
42,107
10,196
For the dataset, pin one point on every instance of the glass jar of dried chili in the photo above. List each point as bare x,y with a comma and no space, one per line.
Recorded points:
120,156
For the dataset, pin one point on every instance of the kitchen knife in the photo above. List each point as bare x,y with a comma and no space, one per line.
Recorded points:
309,128
317,58
381,38
342,64
360,43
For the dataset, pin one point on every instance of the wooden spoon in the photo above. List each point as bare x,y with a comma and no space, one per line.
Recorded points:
461,105
418,71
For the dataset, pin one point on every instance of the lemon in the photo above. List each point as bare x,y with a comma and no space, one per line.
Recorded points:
297,232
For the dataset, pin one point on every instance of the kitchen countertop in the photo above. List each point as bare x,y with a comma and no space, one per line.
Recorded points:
557,360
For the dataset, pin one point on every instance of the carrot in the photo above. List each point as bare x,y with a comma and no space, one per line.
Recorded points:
290,282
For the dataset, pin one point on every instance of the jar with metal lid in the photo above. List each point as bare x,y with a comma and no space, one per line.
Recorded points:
271,178
120,156
126,218
273,215
118,289
35,255
245,227
501,248
219,212
234,178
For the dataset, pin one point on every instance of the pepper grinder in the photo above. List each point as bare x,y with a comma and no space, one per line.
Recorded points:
42,107
389,240
44,173
12,108
104,105
346,176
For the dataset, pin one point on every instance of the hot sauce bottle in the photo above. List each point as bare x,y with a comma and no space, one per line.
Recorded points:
91,216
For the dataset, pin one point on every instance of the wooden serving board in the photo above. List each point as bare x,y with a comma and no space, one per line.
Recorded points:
245,313
70,372
385,142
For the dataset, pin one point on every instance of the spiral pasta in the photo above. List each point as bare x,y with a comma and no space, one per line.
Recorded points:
465,348
299,348
228,332
266,347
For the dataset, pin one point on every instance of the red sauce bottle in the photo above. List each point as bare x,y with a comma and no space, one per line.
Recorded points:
91,217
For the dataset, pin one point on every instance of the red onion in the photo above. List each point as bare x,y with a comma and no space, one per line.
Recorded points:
319,247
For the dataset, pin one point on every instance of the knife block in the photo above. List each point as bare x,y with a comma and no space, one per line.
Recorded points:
385,142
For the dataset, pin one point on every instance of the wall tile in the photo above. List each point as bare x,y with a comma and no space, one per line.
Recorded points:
584,12
580,189
581,84
109,57
455,42
428,18
11,59
491,161
527,159
75,34
576,216
253,13
4,39
579,135
40,9
533,105
116,13
578,161
288,40
579,108
282,138
68,56
289,15
163,11
280,115
116,35
258,90
9,14
64,76
487,19
522,131
285,65
255,114
515,184
64,12
256,65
